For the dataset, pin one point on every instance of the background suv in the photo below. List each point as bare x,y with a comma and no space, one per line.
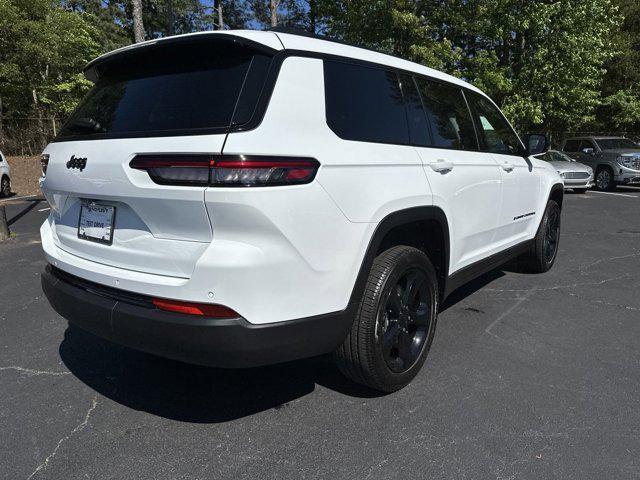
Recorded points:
615,160
242,198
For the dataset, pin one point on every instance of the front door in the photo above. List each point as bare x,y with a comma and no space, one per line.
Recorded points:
520,185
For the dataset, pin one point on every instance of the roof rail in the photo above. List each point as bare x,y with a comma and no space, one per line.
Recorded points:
303,33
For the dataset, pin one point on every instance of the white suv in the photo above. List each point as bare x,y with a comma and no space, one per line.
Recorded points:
5,177
243,198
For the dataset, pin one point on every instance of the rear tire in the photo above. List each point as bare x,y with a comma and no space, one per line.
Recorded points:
5,187
394,327
604,179
544,249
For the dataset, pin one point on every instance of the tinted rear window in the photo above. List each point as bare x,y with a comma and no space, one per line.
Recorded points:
185,88
365,103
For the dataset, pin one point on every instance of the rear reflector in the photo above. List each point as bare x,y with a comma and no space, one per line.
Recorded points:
227,170
211,310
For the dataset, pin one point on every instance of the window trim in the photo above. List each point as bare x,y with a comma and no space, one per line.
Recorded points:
415,76
264,99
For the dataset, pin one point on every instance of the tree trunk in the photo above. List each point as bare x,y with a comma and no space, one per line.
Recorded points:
138,26
41,133
4,228
170,18
220,17
273,7
1,126
313,15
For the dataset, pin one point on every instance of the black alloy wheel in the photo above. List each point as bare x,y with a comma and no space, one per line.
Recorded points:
403,322
551,235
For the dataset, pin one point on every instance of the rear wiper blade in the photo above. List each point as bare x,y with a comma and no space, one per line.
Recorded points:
86,124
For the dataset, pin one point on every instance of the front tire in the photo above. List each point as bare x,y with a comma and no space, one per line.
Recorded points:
604,179
544,249
394,327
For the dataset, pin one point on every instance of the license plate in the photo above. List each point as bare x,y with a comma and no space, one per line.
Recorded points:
96,222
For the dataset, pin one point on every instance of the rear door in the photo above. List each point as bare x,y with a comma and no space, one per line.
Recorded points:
171,104
520,184
465,182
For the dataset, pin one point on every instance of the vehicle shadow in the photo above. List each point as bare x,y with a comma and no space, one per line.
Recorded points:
191,393
474,285
31,205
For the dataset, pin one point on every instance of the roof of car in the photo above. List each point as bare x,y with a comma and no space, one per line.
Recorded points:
279,40
594,137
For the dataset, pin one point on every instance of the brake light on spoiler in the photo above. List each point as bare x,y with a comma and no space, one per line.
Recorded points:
227,170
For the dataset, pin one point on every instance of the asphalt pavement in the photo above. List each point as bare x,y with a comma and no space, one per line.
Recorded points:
529,376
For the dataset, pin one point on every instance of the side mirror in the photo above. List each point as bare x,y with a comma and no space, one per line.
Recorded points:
536,143
588,151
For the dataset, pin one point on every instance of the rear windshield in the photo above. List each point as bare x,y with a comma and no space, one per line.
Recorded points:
173,90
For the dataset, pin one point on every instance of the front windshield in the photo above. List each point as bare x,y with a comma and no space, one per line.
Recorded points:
616,143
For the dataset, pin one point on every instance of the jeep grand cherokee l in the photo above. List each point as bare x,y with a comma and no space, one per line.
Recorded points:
243,198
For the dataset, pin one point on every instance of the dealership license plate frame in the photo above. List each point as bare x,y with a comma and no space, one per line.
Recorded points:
82,229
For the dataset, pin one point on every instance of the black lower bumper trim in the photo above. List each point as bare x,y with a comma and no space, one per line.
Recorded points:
231,343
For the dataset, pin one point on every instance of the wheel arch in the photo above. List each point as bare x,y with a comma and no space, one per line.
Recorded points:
406,227
557,194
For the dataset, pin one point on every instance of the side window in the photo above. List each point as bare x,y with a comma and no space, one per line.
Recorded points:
586,144
364,103
448,116
418,128
496,134
571,145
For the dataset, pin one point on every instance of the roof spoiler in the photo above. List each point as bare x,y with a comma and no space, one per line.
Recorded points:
94,69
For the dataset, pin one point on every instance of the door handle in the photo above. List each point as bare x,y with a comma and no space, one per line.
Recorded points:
441,166
507,166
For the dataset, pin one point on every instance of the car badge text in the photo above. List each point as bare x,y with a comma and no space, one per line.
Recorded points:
75,162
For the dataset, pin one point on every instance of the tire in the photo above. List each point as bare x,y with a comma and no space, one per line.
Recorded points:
5,187
388,343
544,249
580,190
604,179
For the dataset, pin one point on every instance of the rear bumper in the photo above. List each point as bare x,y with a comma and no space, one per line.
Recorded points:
233,343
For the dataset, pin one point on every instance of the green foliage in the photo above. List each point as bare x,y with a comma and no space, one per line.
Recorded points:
552,65
43,48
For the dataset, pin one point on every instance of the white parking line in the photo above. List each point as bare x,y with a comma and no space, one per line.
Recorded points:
616,194
44,209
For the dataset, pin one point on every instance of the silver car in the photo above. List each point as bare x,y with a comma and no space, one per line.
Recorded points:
616,160
576,176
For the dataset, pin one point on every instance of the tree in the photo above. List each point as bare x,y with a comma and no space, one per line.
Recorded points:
138,26
43,49
620,108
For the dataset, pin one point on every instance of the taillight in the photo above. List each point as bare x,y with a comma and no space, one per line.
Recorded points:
227,170
211,310
175,169
44,163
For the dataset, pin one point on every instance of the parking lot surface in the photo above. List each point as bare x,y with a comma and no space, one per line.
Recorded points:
529,376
